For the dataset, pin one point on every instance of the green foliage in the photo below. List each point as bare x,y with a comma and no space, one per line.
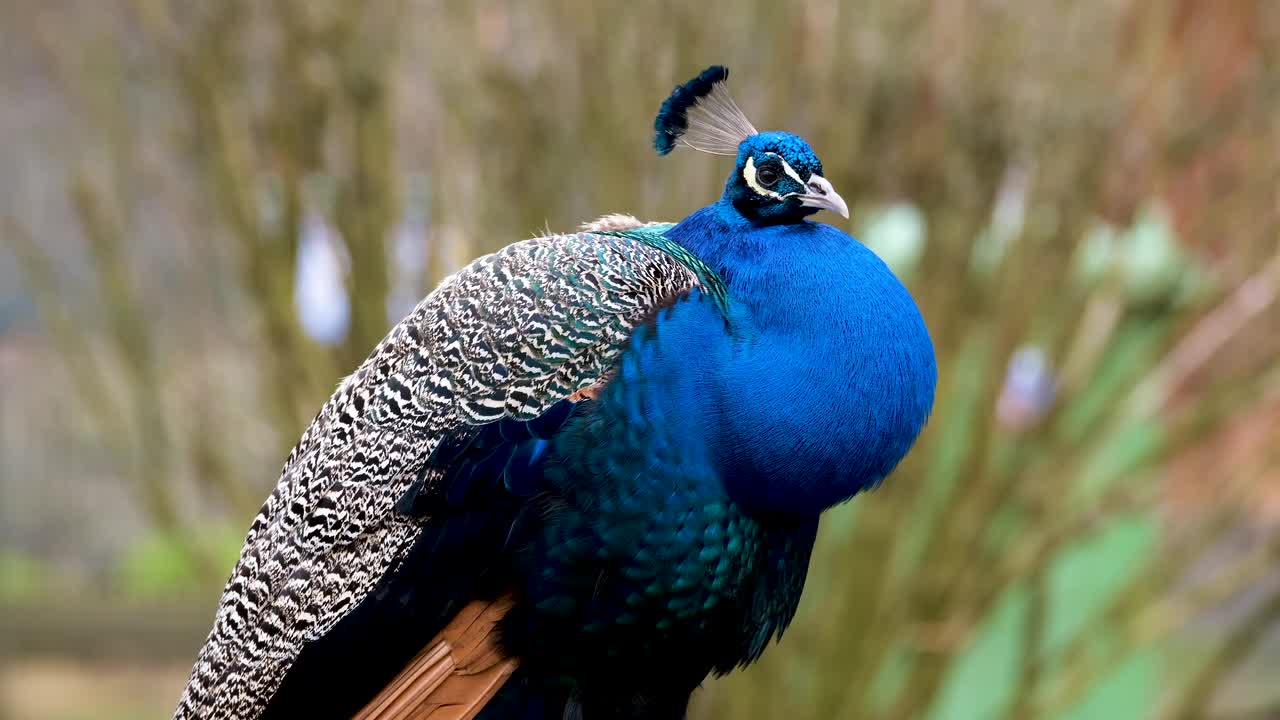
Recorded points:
983,681
22,578
159,567
898,235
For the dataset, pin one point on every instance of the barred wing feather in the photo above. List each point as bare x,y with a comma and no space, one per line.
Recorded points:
508,336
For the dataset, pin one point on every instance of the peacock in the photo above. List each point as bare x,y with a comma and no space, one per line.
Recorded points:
587,470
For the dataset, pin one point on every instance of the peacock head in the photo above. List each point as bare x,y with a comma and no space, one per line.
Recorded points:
777,178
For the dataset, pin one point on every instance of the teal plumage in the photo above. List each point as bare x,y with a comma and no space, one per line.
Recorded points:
632,430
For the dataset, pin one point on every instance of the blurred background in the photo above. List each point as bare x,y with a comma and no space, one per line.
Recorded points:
210,212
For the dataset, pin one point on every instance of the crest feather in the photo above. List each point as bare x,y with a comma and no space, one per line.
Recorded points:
700,114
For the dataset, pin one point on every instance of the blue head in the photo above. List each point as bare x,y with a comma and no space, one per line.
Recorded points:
777,178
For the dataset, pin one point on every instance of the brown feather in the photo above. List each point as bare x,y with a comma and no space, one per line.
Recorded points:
454,675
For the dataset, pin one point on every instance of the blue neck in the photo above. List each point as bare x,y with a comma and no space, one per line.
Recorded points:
836,375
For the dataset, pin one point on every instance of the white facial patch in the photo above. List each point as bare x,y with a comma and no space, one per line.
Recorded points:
749,174
786,168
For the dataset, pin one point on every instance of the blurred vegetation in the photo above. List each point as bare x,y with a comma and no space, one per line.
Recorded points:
1082,196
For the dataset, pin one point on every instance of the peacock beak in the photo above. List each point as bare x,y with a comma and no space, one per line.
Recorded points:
822,195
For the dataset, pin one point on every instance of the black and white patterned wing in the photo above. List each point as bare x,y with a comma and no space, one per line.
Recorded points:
508,336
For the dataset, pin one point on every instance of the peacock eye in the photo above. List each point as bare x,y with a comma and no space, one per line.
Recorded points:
767,176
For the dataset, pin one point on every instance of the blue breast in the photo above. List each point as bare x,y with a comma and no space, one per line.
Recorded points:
833,372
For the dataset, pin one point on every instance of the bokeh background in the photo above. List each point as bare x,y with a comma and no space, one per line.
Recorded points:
210,211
